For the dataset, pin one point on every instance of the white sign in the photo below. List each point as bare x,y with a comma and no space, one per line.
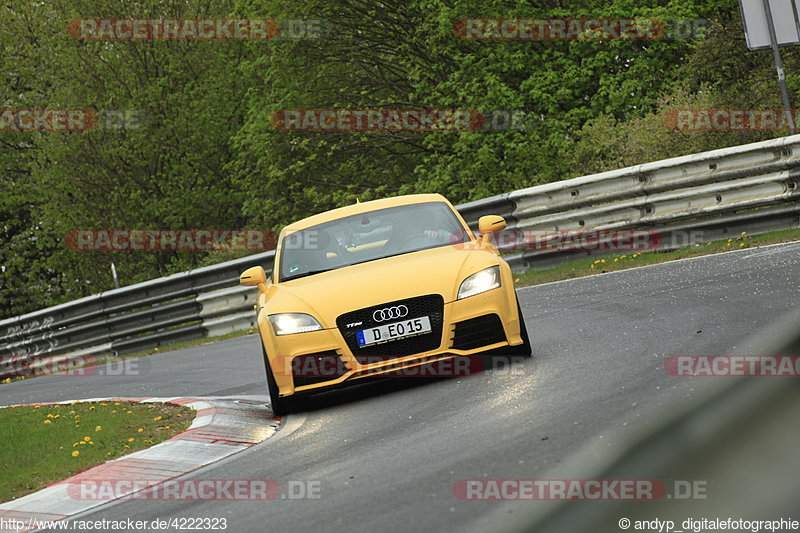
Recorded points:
785,18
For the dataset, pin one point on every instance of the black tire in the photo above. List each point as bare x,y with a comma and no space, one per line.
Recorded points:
521,350
280,406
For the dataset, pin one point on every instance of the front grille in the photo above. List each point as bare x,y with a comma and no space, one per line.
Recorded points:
431,306
317,367
476,332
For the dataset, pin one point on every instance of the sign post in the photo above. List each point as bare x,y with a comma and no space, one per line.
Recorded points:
770,24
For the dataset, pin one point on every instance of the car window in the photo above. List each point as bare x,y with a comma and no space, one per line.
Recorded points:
369,236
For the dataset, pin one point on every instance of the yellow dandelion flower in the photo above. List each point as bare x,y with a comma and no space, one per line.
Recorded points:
82,443
131,439
98,428
91,442
76,453
87,439
116,403
46,421
744,233
128,412
741,244
140,430
156,419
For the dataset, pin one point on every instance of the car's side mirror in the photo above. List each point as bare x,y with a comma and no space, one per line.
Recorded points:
490,224
255,277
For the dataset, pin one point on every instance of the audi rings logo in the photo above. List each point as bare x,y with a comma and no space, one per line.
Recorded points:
389,313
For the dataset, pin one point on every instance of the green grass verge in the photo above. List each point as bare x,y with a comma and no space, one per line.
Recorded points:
596,265
43,445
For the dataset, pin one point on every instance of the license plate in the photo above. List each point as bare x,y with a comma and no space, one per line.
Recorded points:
393,331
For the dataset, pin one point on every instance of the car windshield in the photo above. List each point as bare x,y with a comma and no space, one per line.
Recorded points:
369,236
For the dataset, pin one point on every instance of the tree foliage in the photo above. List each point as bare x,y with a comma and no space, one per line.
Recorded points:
203,151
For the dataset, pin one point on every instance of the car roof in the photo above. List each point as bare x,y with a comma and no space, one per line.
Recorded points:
363,207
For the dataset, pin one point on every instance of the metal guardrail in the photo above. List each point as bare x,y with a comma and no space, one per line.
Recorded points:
699,197
176,308
717,194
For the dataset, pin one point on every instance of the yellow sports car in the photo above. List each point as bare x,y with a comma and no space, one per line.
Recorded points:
381,286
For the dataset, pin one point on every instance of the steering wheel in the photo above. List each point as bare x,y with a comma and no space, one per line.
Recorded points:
340,252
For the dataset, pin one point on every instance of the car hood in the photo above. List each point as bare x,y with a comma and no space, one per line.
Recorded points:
329,294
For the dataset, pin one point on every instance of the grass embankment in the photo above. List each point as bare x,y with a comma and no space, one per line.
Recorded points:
48,443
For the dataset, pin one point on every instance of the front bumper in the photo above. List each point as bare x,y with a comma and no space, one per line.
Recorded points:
288,355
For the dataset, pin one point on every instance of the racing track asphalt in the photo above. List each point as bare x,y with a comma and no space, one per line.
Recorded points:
387,454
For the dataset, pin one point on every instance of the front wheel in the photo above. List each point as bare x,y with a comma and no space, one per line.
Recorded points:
520,350
280,406
523,349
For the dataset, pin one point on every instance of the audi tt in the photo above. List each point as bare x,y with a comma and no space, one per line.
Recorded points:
377,287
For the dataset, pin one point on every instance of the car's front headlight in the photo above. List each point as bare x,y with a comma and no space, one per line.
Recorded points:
291,323
479,282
